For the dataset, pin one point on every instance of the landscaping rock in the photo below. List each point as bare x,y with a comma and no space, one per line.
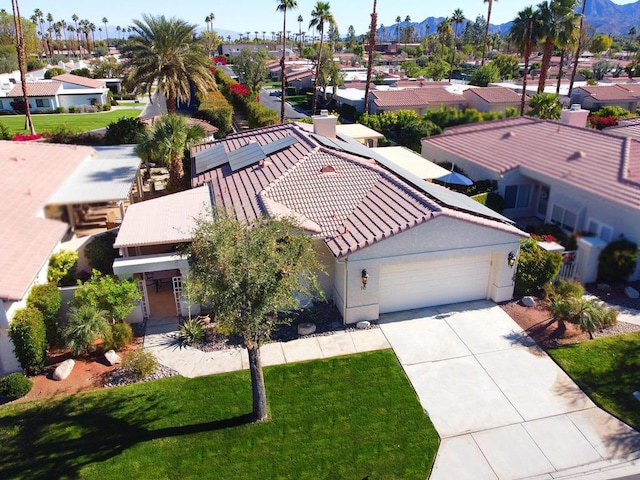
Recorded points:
528,301
604,287
631,292
112,357
63,370
363,325
306,328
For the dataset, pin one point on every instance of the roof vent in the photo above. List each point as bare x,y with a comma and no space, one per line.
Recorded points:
327,170
578,155
575,107
509,134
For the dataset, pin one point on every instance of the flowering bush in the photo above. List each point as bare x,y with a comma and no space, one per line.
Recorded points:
239,90
220,60
23,137
545,238
600,123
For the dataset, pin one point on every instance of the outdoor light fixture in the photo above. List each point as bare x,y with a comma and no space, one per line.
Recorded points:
511,259
365,278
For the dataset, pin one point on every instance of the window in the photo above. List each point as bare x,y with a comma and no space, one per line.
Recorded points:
42,103
565,218
600,230
517,196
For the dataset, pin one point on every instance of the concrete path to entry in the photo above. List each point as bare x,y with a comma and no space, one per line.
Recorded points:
501,405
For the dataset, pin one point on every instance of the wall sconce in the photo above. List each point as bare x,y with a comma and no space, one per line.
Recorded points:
365,278
511,259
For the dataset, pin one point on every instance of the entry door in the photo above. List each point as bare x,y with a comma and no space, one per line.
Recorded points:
543,202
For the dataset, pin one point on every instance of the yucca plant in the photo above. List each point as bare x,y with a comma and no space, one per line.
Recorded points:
191,331
86,324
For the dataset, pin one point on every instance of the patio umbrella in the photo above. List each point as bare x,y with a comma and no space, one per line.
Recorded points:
455,178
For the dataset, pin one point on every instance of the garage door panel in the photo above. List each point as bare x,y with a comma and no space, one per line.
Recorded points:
416,285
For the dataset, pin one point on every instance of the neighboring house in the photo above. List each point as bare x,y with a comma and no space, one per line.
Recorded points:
595,97
301,79
580,179
414,243
493,99
64,90
420,100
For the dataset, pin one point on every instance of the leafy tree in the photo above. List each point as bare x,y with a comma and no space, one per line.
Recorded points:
48,300
600,69
86,324
81,72
536,267
53,72
248,274
617,260
283,6
101,254
28,334
103,292
350,40
165,143
485,75
108,67
320,15
251,67
62,268
437,68
166,51
508,66
127,130
600,43
546,106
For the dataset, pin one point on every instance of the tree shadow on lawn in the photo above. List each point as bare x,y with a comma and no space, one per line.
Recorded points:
58,438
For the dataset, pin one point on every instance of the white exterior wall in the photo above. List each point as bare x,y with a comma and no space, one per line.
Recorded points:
437,239
76,99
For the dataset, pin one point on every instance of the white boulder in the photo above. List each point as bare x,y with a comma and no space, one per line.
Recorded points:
306,328
631,292
112,357
363,324
63,370
528,301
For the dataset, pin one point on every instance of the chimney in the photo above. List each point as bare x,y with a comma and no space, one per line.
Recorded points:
575,116
325,124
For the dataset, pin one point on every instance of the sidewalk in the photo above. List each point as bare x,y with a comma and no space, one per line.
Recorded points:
191,362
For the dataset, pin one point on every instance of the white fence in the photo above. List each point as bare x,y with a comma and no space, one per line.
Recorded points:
569,268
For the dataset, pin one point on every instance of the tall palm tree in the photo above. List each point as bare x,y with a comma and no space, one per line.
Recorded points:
164,51
300,20
486,28
407,19
105,20
320,15
567,39
524,34
578,48
283,6
457,18
75,19
166,141
556,16
22,64
444,30
372,46
398,20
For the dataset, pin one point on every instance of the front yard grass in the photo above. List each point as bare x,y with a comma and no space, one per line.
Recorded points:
608,370
348,417
76,122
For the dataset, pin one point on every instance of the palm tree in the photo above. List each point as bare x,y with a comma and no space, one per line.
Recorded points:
300,20
165,51
17,23
86,324
567,39
372,46
546,106
320,15
398,20
444,30
75,19
105,20
209,21
486,28
524,34
555,17
165,143
578,48
407,19
457,18
283,5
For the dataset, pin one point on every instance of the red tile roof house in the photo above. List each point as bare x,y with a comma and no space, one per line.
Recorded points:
580,179
420,100
592,98
64,90
493,99
419,244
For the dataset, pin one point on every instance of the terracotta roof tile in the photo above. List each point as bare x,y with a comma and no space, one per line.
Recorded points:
37,89
608,92
494,94
79,80
415,97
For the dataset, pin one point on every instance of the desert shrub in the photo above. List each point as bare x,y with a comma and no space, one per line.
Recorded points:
120,336
589,314
563,288
617,261
60,110
139,364
81,72
101,254
48,299
5,133
72,109
536,268
53,72
191,331
29,337
62,268
124,131
86,324
14,386
116,297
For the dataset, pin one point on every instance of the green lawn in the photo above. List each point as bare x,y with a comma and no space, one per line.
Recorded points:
77,122
608,370
351,417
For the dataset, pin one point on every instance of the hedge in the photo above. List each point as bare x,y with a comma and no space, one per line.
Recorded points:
48,300
215,109
28,334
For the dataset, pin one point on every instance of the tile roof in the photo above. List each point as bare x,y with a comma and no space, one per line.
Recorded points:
415,97
37,89
78,80
349,200
605,93
494,94
30,172
597,162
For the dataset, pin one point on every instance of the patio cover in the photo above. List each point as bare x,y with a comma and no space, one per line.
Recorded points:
107,176
412,162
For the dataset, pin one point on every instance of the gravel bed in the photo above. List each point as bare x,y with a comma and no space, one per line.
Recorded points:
119,378
617,329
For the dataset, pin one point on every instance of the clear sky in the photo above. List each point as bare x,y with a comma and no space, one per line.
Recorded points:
260,15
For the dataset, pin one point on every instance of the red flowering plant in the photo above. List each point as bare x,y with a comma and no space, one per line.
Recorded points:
220,60
544,238
24,137
239,90
600,123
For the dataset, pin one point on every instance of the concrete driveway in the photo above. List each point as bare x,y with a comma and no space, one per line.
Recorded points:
503,408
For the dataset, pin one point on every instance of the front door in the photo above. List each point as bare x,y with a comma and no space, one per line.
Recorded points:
543,202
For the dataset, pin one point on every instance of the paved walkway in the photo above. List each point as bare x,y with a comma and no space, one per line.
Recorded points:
503,408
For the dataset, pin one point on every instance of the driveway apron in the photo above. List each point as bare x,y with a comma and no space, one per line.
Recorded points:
503,408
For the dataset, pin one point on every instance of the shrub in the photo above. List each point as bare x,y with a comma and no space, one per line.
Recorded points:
48,299
72,109
536,268
589,314
191,331
14,386
563,289
5,133
86,325
62,268
29,337
106,107
617,261
53,72
216,109
139,364
116,297
101,254
125,130
121,335
60,110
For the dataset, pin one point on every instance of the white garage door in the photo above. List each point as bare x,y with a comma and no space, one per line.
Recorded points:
416,285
